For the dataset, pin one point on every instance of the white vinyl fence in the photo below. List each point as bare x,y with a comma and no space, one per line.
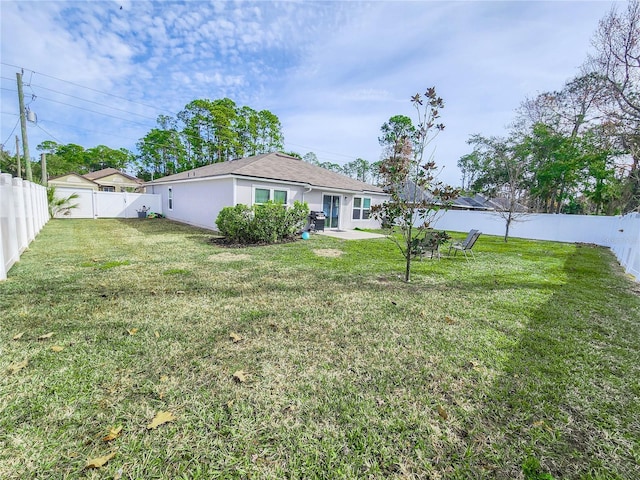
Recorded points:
93,204
23,213
620,233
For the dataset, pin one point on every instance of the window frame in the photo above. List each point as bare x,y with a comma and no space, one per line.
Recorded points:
271,191
360,211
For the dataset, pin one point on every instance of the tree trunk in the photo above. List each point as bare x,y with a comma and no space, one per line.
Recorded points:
408,240
407,272
506,230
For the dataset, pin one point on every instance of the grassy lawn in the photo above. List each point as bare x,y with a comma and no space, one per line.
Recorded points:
524,363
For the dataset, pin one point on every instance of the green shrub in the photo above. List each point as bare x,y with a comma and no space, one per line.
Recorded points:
233,222
266,223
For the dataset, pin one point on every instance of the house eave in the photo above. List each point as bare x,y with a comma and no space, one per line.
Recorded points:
264,179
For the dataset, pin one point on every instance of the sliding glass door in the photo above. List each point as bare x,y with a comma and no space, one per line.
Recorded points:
331,209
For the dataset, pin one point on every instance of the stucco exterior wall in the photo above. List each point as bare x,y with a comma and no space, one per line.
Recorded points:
196,202
119,182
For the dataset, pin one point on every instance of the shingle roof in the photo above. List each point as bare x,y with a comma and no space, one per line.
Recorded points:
74,175
471,202
108,171
275,167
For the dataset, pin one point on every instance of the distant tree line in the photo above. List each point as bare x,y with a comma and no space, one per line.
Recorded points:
205,132
70,158
359,169
576,150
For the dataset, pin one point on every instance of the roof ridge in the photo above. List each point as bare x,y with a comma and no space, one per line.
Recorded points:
275,167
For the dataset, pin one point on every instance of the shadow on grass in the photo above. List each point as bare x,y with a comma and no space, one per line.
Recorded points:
555,404
164,226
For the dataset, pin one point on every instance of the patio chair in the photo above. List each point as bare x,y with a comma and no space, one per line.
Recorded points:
466,245
430,244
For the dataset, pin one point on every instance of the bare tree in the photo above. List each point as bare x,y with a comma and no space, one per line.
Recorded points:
408,174
569,111
617,61
503,178
617,58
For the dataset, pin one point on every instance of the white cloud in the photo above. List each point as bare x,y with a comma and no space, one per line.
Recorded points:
332,71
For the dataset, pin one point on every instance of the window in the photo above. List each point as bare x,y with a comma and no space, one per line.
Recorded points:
263,195
108,189
280,196
361,208
170,198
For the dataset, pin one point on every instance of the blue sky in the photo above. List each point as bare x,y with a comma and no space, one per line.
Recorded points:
333,72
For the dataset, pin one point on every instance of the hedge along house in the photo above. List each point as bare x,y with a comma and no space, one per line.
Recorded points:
196,196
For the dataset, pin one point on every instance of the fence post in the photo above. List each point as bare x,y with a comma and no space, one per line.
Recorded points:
21,214
28,204
41,192
94,203
35,192
3,267
8,222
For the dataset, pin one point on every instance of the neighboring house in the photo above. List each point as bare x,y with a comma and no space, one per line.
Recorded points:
412,191
73,180
197,196
480,202
476,202
105,180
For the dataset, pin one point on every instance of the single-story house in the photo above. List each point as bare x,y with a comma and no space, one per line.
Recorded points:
480,202
73,180
196,196
105,180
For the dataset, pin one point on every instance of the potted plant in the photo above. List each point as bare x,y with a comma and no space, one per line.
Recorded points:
142,213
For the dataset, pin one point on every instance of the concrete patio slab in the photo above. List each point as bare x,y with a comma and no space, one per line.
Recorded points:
350,234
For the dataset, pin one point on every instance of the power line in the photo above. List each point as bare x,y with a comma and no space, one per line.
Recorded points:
14,129
154,107
89,110
94,111
311,149
89,130
37,125
92,101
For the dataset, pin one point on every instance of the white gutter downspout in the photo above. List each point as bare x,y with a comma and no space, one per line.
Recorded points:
234,187
306,191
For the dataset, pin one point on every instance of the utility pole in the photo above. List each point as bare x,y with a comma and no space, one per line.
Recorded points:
43,164
23,127
18,166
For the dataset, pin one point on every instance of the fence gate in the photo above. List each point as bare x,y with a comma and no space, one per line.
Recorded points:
93,204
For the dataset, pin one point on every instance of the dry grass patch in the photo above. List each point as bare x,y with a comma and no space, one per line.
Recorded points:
328,252
229,257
